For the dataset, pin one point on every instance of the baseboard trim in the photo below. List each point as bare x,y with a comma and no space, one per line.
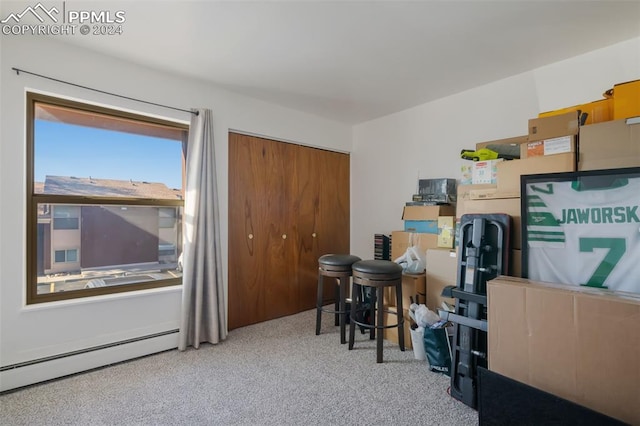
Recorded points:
56,366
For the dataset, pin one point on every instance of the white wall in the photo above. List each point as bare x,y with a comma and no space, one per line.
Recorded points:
390,153
33,332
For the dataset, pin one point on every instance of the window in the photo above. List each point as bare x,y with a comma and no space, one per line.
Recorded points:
62,256
66,217
108,184
167,217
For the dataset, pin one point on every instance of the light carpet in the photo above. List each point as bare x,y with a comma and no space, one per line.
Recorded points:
273,373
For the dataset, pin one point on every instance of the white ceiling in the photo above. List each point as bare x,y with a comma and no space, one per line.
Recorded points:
354,61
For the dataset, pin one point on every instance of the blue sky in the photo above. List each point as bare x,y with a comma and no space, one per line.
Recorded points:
69,150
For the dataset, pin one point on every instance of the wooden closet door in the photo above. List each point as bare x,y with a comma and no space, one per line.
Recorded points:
262,281
307,205
322,179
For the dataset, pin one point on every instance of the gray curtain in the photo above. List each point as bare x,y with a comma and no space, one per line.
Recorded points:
203,317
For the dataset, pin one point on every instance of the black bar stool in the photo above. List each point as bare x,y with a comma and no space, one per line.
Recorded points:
335,266
377,274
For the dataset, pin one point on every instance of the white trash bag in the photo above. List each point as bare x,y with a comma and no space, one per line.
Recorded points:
413,261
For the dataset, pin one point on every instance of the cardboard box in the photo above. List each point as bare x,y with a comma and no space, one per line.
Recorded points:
391,334
446,231
420,220
491,193
400,241
611,145
553,126
509,172
442,271
515,263
626,100
484,171
558,145
507,203
412,285
426,212
579,343
597,111
515,141
515,145
422,226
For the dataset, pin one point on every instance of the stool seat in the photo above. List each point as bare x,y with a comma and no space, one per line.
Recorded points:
378,275
338,259
337,267
377,267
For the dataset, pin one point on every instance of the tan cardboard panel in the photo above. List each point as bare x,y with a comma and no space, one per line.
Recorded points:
515,263
426,212
610,145
442,271
508,141
509,172
553,126
391,334
510,206
400,241
579,343
412,286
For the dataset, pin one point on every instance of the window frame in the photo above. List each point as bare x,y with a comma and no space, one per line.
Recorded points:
66,255
33,199
62,222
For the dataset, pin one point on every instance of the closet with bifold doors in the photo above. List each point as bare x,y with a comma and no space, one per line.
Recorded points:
288,205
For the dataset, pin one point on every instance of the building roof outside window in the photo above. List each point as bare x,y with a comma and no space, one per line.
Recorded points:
70,185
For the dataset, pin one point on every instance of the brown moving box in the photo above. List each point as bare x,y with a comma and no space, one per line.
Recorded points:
464,191
515,263
509,172
558,145
400,241
391,334
491,193
579,343
610,145
597,111
517,143
509,205
426,212
413,287
553,126
508,141
442,271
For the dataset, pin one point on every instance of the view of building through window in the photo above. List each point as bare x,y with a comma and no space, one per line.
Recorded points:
106,201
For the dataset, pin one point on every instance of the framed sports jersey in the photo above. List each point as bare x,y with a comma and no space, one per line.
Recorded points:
582,228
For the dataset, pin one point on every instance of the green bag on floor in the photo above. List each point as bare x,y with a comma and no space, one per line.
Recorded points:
436,346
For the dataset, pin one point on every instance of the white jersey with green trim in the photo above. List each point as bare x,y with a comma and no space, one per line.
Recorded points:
587,237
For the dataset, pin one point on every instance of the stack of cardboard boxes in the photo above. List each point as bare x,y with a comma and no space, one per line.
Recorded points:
549,147
620,102
556,142
430,228
579,343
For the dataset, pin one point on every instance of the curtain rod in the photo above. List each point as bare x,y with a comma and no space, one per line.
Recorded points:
18,71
